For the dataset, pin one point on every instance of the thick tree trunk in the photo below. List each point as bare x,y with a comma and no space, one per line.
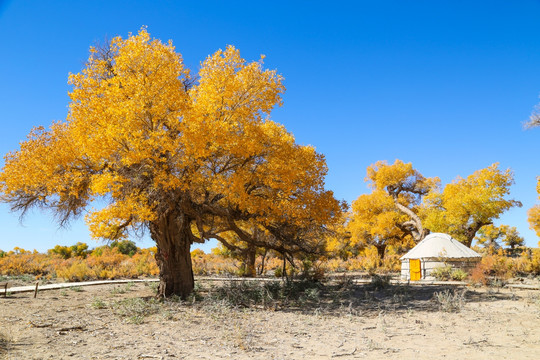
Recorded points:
418,232
171,234
471,231
250,256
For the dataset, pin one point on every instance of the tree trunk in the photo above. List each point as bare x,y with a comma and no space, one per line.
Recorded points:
173,257
261,270
380,250
471,231
418,233
250,257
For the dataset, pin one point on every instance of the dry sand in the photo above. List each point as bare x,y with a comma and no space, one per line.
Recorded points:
398,322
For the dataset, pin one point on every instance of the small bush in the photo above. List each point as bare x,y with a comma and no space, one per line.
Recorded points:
135,310
78,271
443,273
446,273
458,275
494,269
450,301
533,265
98,303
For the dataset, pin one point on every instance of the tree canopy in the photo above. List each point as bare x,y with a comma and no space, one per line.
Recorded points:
467,204
388,215
534,213
490,236
172,153
406,186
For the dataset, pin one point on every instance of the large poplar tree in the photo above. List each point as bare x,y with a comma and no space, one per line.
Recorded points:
172,155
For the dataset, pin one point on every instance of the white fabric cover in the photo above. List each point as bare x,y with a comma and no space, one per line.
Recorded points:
439,245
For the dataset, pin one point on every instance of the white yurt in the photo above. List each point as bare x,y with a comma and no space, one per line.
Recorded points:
437,250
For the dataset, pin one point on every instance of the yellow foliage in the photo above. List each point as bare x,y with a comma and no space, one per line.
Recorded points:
399,175
143,136
467,204
534,219
534,213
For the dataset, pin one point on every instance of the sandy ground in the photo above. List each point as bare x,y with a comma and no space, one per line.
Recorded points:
352,322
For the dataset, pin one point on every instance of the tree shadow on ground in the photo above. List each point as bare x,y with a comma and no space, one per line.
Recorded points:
346,297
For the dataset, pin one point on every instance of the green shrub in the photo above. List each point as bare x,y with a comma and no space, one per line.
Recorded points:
442,273
459,274
445,273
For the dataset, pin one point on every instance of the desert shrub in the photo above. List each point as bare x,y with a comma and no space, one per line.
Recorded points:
370,259
391,261
21,261
336,265
206,264
458,274
98,303
312,269
447,272
450,301
495,268
77,271
531,262
442,273
135,310
145,263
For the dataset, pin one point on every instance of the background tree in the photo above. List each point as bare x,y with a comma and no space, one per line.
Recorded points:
406,187
491,236
247,252
466,205
534,213
534,119
511,238
375,220
126,247
78,250
169,155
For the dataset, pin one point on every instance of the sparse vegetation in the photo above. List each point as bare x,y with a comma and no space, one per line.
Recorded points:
98,303
445,273
450,300
135,310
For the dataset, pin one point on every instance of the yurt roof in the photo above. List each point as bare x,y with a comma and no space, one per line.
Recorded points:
440,245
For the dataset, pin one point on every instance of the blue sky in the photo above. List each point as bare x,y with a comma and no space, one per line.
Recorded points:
445,85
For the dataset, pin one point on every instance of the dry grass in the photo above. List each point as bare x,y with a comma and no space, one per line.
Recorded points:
275,320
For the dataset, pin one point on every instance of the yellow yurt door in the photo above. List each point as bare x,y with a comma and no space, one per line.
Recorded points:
415,269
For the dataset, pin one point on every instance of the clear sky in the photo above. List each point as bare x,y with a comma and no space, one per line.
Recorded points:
445,85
